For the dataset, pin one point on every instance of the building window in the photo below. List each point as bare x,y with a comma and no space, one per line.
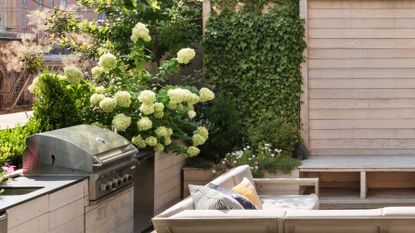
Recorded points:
24,2
40,2
64,4
1,22
25,22
102,16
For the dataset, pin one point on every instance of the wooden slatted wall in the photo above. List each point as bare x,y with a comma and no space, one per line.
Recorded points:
361,77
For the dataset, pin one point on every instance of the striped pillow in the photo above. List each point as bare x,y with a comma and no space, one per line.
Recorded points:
205,198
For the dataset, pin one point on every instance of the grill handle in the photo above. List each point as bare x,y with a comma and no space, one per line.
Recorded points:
100,163
97,162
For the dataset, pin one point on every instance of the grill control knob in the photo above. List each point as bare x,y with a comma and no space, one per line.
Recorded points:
109,184
125,178
129,177
114,182
119,181
103,187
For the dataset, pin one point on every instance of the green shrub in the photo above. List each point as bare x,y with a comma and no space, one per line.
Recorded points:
223,122
56,107
13,142
255,59
276,131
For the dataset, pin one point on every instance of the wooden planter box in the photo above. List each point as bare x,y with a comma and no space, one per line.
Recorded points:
167,180
196,176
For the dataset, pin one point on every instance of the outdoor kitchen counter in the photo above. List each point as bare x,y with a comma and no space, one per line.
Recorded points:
48,184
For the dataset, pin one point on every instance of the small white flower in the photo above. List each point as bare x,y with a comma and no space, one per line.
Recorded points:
213,171
234,161
272,155
248,147
256,167
223,162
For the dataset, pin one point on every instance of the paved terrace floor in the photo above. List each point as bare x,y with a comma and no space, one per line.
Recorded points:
13,119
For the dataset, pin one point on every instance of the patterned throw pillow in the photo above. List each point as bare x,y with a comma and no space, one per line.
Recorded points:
205,198
246,189
245,202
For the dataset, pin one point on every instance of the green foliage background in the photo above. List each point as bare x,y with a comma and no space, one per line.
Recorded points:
255,59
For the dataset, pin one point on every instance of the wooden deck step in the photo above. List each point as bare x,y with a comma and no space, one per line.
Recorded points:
355,182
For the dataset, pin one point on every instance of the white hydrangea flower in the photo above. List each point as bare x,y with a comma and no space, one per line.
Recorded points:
158,115
73,74
147,109
108,61
100,90
198,140
151,141
147,97
191,114
123,98
192,151
144,124
95,99
121,122
97,70
108,104
34,87
167,141
159,147
161,131
139,141
206,95
158,107
184,56
98,124
140,30
202,131
179,95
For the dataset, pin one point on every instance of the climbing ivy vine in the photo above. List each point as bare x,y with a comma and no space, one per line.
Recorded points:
255,58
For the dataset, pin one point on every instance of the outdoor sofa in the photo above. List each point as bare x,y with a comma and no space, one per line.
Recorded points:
281,214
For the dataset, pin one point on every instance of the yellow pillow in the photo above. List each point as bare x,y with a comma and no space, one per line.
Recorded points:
246,189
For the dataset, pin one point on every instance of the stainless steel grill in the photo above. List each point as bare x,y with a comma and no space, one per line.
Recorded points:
108,158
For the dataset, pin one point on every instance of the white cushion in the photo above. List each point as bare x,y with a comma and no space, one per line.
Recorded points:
399,211
332,214
307,202
223,214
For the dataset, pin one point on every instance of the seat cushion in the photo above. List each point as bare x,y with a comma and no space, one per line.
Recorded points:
305,202
205,198
247,189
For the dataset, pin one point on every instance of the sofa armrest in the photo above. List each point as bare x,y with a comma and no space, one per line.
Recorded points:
288,182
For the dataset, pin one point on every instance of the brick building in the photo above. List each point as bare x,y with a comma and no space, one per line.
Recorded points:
14,25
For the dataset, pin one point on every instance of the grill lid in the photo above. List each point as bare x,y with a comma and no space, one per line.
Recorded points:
92,139
81,147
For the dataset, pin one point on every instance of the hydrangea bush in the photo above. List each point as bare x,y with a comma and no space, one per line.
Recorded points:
137,104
